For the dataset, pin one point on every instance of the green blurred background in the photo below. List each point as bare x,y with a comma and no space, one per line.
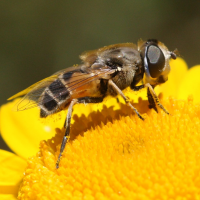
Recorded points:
38,37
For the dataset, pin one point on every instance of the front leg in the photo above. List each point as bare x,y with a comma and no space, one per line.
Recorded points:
137,88
151,100
152,97
155,97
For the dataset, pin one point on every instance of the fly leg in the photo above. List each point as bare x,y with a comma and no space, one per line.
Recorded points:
149,95
90,99
68,121
67,131
152,103
152,97
155,97
116,88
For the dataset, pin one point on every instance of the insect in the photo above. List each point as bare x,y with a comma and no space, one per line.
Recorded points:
104,71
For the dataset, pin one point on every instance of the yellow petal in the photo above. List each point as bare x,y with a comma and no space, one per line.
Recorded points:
190,84
178,71
8,197
125,159
12,168
20,129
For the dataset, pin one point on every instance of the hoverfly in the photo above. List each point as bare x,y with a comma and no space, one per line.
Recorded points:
104,71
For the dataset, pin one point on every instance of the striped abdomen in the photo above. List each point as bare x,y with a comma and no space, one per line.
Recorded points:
54,98
68,86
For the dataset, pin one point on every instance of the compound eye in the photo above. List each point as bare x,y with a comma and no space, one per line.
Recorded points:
155,60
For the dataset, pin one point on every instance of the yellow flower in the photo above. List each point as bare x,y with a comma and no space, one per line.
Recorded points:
12,168
119,156
182,82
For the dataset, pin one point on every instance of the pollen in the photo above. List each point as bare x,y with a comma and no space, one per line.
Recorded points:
122,157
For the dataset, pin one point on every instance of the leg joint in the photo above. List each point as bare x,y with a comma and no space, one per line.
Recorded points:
90,100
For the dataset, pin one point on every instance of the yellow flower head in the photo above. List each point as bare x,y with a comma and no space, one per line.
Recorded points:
113,154
124,159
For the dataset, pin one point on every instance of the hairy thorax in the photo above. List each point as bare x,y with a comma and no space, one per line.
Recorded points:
123,79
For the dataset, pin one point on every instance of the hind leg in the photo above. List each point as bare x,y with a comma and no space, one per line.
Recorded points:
68,121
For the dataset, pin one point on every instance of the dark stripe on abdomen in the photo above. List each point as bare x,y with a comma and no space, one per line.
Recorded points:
67,75
48,102
59,90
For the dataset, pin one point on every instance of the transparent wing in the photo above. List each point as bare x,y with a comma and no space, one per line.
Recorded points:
43,83
33,95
